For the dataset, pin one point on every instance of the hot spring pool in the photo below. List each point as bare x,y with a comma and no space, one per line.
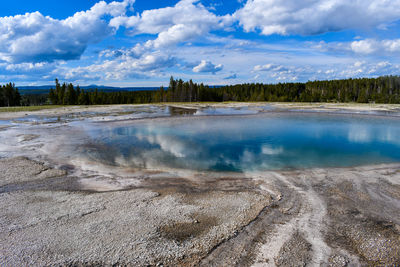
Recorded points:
247,143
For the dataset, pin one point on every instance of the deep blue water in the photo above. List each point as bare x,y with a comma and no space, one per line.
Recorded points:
245,143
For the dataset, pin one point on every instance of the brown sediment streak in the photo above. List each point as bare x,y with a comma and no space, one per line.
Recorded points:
239,250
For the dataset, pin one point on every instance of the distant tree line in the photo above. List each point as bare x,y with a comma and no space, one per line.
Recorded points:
365,90
9,95
379,90
67,94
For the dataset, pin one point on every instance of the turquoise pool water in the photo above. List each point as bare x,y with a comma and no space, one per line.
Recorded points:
249,143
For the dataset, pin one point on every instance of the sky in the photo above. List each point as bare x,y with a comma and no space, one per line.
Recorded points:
143,43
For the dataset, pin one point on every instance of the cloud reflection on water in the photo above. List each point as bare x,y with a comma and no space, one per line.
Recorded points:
251,143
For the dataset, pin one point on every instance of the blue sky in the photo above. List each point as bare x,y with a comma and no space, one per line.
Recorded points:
143,43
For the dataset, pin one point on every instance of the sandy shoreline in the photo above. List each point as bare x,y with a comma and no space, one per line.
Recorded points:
56,214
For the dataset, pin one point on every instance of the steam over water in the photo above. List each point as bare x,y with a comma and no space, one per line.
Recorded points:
246,143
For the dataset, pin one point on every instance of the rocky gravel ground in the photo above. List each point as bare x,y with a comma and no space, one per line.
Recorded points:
330,217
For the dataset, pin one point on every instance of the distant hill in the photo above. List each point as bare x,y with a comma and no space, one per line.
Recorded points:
44,89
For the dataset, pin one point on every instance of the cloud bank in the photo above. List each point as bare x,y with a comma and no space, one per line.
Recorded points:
315,16
192,40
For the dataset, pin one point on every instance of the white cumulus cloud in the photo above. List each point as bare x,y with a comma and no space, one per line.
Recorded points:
269,67
315,16
123,67
362,47
369,46
183,22
33,37
208,66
